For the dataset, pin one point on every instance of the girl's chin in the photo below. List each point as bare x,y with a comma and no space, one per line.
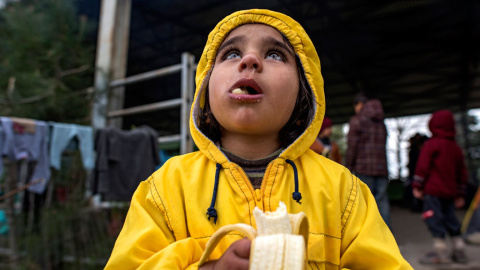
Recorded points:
249,129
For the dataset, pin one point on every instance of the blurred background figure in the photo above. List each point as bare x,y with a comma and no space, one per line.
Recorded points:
409,201
366,153
324,145
440,180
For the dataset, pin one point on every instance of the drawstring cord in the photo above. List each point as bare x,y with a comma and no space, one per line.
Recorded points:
297,196
211,212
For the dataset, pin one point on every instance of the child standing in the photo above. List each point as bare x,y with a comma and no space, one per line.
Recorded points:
258,106
440,180
324,145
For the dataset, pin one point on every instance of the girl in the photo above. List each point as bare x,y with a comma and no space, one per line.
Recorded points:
258,106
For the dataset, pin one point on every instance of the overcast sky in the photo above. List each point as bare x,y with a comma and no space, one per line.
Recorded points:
413,124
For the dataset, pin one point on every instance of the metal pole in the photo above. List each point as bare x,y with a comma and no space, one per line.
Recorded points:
185,105
146,75
162,105
190,95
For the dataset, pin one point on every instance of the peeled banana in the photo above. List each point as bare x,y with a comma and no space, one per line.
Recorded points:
280,241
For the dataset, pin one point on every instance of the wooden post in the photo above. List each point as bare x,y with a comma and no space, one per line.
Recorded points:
119,59
111,58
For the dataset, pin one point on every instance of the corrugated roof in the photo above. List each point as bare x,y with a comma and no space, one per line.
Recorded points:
415,56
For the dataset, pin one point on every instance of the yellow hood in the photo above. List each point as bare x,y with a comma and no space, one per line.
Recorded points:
304,49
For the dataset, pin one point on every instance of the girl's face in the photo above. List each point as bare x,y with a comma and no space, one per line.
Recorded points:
254,83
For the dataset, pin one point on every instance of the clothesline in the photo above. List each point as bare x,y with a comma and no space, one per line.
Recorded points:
42,142
118,159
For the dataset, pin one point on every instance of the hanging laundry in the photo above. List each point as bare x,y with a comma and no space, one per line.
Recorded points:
22,125
124,159
164,156
4,141
26,139
62,134
3,223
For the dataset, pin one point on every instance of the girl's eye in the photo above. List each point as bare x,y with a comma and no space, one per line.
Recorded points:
275,56
231,55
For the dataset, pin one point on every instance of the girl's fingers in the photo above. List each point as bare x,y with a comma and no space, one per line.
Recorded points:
242,248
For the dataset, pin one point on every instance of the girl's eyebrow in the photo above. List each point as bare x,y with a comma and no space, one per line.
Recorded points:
268,40
275,42
230,42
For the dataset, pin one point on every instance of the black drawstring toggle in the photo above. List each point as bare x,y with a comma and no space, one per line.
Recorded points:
211,212
297,196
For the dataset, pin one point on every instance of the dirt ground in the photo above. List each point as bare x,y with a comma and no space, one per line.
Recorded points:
415,241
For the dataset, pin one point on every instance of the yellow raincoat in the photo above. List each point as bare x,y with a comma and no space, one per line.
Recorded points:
167,225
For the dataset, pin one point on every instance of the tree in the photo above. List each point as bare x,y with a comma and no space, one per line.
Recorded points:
46,63
46,70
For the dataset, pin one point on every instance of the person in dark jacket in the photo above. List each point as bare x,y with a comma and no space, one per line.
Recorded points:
366,154
440,180
409,201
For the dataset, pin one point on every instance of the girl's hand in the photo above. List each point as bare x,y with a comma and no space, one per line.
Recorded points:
236,257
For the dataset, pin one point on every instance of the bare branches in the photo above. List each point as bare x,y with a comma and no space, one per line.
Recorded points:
11,86
33,99
85,91
74,71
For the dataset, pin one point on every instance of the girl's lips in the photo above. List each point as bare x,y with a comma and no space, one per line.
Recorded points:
253,93
247,83
246,97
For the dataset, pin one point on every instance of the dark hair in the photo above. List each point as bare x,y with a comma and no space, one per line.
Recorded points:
302,113
208,124
299,120
360,97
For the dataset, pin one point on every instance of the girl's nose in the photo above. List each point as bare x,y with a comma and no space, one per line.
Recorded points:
250,61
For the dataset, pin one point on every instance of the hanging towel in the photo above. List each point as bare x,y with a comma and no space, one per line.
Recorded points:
124,159
17,144
22,125
62,134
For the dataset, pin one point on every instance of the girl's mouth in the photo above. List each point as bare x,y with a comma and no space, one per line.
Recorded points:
246,94
244,90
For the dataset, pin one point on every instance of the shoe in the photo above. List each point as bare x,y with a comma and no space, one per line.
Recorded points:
435,258
473,238
459,256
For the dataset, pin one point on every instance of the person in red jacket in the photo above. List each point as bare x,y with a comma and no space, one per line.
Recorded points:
440,180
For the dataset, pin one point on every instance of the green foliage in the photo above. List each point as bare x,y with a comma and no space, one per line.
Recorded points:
46,65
